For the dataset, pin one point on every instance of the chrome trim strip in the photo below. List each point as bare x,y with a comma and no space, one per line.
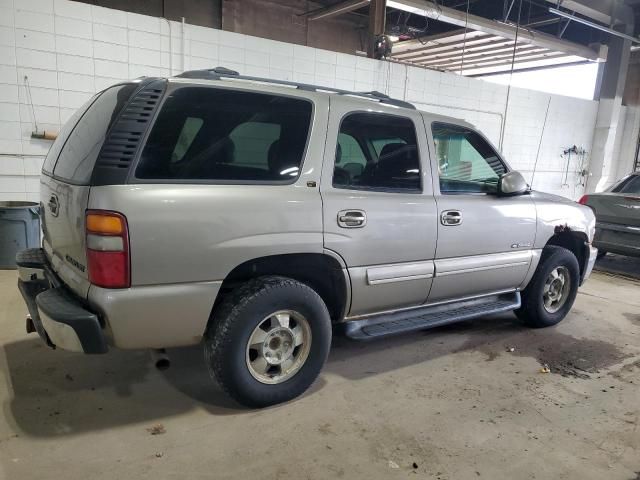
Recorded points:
416,307
479,263
480,269
400,279
400,272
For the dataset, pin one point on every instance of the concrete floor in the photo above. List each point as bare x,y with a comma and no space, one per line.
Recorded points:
451,403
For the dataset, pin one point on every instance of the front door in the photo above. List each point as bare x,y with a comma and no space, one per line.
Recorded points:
484,241
378,207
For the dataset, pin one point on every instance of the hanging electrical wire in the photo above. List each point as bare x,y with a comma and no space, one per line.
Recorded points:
513,60
544,126
464,40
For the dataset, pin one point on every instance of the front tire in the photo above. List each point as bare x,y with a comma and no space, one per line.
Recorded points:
268,341
552,290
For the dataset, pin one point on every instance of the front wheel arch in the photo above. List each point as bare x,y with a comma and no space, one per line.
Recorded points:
534,311
574,241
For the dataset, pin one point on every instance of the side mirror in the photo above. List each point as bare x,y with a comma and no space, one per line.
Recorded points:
512,183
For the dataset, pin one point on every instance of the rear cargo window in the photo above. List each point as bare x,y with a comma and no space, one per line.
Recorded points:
54,151
214,134
78,155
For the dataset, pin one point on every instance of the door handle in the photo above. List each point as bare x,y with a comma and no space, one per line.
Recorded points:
451,217
352,218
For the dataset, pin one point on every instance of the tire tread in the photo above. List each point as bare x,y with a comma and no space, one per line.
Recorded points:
219,335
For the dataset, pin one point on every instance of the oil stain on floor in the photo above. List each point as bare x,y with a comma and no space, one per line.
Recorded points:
563,354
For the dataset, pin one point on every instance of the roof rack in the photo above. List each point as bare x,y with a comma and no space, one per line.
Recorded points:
220,73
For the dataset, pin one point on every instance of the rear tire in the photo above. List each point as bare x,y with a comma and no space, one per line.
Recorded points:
268,341
552,290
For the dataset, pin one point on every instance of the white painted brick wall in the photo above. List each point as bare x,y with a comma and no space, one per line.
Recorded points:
70,50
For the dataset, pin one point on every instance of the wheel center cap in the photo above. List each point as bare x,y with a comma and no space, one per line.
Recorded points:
278,346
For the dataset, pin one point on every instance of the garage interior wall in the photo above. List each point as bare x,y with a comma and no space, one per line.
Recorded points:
55,54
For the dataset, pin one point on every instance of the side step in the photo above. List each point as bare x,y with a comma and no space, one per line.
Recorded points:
429,316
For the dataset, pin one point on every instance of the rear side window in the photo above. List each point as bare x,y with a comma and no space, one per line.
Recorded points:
377,152
78,155
217,134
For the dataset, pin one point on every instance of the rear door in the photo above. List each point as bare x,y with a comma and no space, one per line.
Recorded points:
378,208
64,184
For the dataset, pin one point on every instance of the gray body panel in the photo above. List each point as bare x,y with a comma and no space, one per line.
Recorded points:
491,249
199,233
64,231
554,212
618,222
398,241
155,316
186,237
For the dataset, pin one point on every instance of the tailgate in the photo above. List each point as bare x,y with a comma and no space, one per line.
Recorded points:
63,210
65,183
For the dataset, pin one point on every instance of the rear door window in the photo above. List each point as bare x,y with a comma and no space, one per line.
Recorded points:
226,135
80,151
349,156
377,152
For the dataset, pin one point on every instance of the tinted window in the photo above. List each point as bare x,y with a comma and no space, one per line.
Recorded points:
628,185
349,155
79,153
466,161
214,134
379,143
190,129
54,151
381,153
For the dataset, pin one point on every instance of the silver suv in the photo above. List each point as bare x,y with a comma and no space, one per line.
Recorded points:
258,216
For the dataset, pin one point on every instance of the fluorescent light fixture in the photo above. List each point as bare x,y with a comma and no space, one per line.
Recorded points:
597,26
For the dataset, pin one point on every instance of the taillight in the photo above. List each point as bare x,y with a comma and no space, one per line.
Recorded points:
107,249
583,199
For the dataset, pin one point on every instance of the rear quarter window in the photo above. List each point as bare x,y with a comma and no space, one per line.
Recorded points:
78,155
67,128
212,134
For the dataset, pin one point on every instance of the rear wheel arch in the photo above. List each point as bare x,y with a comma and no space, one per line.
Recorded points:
323,273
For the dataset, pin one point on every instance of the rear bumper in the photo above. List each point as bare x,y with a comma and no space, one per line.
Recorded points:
59,317
617,238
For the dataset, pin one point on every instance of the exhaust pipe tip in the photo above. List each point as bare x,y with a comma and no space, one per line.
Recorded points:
160,359
30,325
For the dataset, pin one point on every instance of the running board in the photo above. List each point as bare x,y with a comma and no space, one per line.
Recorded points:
386,324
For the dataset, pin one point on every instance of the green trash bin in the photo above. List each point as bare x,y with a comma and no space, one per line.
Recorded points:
19,229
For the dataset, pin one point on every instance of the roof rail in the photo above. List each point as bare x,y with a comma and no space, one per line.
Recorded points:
220,73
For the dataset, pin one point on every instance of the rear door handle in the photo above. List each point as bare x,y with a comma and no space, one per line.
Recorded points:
352,218
451,217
